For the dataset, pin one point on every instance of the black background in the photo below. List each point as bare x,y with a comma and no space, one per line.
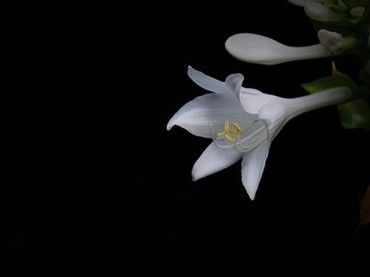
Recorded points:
92,183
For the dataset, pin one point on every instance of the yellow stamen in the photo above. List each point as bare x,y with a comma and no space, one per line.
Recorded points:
230,132
229,138
237,128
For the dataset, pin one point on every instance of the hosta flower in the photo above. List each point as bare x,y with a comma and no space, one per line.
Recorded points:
255,48
241,122
259,49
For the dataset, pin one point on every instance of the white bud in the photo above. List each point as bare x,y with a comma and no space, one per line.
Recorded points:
331,41
357,12
319,12
342,5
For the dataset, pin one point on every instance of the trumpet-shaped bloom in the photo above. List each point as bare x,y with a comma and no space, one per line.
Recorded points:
241,122
255,48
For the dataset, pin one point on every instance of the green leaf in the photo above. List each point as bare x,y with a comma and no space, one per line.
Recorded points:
337,80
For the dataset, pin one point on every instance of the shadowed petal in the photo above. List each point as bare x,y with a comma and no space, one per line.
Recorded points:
214,159
318,11
253,100
234,83
253,165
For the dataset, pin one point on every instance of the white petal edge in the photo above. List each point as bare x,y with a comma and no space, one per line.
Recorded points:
214,159
253,165
206,82
234,83
255,48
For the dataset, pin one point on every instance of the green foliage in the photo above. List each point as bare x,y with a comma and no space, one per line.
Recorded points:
337,80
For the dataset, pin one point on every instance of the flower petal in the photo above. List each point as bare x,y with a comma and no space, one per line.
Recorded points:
253,100
214,159
197,115
253,165
234,83
259,49
206,82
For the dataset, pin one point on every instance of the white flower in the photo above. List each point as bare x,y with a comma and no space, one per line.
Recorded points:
255,48
242,122
259,49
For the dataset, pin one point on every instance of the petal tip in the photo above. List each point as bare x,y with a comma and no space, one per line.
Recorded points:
170,124
251,196
195,174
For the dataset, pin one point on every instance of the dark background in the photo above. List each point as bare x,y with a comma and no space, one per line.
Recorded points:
92,183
